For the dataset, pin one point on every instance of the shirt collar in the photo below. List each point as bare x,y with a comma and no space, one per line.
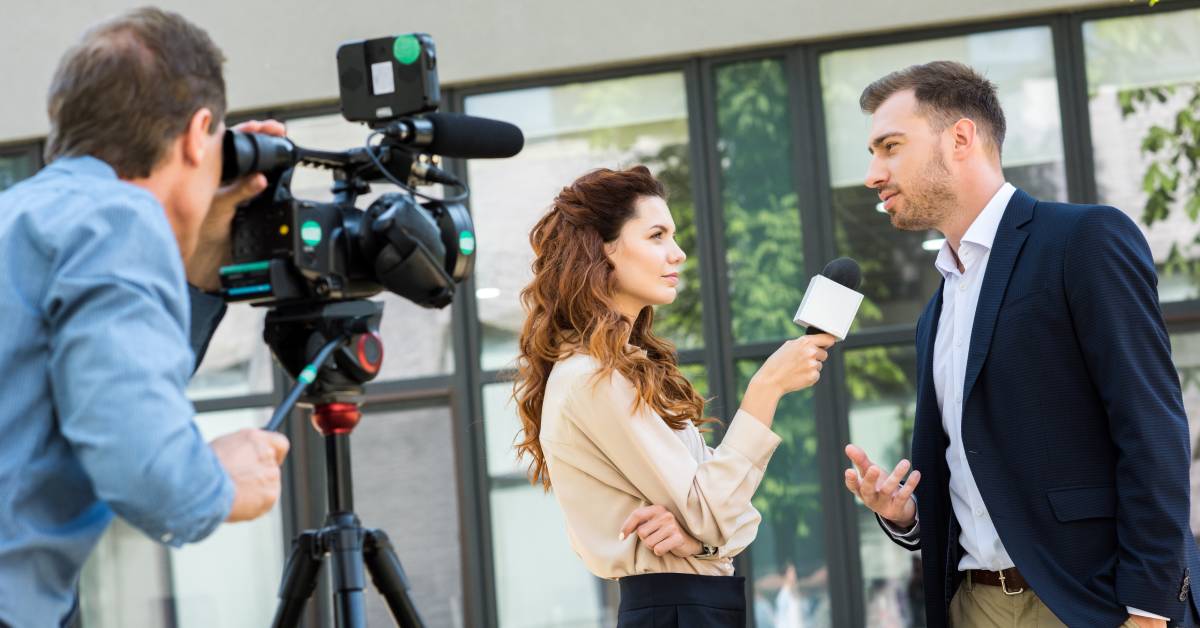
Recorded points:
83,165
982,231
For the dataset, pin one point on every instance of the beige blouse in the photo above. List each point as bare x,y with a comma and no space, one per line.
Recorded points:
606,460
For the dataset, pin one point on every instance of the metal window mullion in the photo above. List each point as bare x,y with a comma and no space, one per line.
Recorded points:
710,240
1074,113
811,169
710,236
480,605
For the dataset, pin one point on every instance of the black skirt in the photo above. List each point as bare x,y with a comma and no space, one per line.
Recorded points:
677,600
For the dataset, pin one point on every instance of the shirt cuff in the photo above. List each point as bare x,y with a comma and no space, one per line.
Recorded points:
1141,613
908,537
200,518
749,437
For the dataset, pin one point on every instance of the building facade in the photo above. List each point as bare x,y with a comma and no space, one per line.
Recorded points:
750,115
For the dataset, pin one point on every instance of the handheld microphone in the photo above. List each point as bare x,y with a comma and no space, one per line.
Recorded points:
832,299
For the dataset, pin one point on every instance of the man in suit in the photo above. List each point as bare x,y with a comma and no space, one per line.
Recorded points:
1050,447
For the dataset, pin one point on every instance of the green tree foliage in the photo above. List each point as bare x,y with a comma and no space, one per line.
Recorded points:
1172,176
763,248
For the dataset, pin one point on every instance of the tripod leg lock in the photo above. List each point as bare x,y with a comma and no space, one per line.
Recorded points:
344,542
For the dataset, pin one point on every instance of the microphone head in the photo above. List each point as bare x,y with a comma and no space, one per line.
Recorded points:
844,271
471,137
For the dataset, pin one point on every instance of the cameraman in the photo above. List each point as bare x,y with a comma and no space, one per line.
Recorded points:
99,324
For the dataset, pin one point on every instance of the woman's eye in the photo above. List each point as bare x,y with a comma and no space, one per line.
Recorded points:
890,146
657,236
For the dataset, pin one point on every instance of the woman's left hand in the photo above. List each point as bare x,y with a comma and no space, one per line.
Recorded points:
657,528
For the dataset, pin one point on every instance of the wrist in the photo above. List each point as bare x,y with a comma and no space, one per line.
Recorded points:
204,273
690,547
765,385
902,525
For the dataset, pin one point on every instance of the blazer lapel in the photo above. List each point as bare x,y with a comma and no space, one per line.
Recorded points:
1005,249
928,427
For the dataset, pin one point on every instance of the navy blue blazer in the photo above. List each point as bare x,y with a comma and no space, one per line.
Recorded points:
1073,422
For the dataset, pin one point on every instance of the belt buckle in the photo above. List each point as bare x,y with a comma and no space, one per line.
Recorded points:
1004,585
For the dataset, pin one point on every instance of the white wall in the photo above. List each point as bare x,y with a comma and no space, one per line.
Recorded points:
283,53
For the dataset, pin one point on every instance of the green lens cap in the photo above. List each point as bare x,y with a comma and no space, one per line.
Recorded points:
406,49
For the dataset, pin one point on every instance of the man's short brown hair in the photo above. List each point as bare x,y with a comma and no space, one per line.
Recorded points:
130,87
946,91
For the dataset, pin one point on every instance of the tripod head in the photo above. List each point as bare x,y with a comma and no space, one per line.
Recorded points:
297,333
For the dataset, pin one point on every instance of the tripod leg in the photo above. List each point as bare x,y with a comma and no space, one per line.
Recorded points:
345,543
299,579
388,576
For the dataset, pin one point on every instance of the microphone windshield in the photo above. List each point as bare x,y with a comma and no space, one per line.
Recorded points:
844,271
471,137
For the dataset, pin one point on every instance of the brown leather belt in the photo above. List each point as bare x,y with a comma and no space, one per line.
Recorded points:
1009,579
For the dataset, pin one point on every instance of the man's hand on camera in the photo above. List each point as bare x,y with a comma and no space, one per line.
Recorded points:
213,249
251,458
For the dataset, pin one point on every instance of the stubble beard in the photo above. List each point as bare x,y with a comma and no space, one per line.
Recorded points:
929,199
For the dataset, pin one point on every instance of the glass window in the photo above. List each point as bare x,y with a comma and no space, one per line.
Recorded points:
697,374
569,130
762,221
882,411
405,484
15,167
790,579
238,361
1143,76
898,272
556,589
1185,348
131,580
418,342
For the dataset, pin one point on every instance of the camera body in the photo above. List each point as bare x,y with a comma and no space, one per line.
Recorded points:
289,251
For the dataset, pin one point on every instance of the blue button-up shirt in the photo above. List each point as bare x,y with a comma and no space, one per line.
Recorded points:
95,356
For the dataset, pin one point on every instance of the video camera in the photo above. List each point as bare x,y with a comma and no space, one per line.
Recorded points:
314,263
289,251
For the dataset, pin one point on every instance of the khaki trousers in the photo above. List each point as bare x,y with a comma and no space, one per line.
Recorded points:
987,606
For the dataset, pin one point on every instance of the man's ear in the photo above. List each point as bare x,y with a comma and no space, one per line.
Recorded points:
197,136
966,136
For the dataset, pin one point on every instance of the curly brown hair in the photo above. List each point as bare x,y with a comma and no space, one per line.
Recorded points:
569,307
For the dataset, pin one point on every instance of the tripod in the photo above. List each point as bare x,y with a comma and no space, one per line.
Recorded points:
347,332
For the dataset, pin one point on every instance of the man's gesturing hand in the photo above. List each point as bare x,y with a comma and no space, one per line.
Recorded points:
886,496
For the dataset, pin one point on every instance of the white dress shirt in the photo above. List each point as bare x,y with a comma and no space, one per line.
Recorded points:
980,542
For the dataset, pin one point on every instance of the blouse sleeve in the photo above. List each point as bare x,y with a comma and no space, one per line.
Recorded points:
710,498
